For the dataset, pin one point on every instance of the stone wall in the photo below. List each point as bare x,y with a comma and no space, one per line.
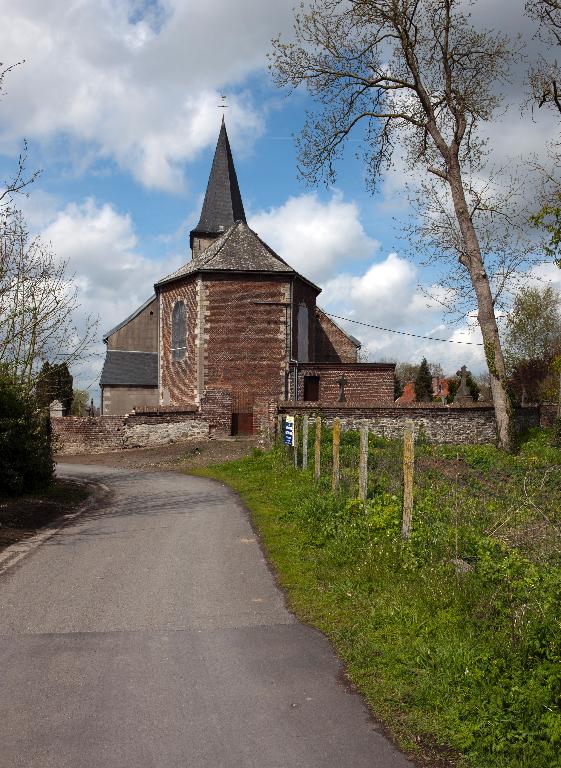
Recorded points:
437,423
99,434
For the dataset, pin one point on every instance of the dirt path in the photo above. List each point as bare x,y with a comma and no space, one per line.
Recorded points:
179,456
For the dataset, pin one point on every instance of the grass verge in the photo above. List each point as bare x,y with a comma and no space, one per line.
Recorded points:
463,668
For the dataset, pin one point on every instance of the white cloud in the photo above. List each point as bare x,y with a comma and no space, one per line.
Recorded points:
387,295
136,82
112,275
315,238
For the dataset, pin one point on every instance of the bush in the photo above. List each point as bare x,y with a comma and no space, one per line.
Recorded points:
26,460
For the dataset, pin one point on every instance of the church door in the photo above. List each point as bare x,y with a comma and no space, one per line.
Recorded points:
242,414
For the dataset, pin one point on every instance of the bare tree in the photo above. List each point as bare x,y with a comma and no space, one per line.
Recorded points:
418,75
20,179
498,210
545,75
38,305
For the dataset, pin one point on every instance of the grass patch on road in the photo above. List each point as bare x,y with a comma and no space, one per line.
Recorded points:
22,516
464,669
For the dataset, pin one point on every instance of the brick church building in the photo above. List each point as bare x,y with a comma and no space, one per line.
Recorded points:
235,325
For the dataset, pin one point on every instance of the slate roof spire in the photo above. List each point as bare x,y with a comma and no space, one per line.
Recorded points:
223,202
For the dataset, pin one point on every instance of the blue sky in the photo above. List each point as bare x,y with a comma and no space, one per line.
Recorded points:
118,100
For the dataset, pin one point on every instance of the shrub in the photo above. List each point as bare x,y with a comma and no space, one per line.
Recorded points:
26,461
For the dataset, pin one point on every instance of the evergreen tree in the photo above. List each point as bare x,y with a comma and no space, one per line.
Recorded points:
397,387
423,383
54,383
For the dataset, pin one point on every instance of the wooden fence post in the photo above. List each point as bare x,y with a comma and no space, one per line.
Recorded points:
280,432
305,441
295,441
317,456
363,466
336,443
408,460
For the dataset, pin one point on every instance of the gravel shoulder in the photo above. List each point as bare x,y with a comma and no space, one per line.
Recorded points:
177,457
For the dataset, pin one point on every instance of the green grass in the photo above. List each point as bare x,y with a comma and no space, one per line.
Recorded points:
463,669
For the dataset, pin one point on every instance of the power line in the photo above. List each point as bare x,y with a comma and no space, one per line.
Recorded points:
405,333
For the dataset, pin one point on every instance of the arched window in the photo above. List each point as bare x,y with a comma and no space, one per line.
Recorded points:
178,331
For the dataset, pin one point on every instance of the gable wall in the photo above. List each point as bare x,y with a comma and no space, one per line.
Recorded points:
332,345
140,334
178,378
246,339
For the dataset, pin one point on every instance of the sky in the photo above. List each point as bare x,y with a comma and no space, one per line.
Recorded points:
119,103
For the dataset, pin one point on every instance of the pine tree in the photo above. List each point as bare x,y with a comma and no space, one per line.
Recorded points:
423,383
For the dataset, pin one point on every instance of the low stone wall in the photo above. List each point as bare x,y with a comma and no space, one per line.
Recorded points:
437,423
99,434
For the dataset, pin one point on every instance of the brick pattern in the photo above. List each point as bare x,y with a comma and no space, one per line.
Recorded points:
245,335
178,378
216,409
437,423
331,344
370,383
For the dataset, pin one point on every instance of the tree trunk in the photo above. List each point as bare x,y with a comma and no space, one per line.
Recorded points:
504,412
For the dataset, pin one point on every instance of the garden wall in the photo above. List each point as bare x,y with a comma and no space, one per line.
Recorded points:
439,424
99,434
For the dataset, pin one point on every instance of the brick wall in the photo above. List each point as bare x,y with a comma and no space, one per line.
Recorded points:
370,383
332,345
245,335
439,424
178,378
216,410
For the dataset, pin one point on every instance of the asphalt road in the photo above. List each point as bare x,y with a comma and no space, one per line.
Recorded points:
150,633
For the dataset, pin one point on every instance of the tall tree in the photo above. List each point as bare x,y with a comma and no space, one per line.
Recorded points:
423,383
533,326
417,74
20,179
38,304
545,75
533,343
545,83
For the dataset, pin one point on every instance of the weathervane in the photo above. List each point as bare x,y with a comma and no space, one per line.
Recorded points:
223,105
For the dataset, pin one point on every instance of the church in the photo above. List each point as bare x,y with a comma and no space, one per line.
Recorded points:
234,325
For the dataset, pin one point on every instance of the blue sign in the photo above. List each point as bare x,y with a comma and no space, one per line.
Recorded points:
289,430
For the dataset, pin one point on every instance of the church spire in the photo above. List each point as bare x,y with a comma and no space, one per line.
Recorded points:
223,202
